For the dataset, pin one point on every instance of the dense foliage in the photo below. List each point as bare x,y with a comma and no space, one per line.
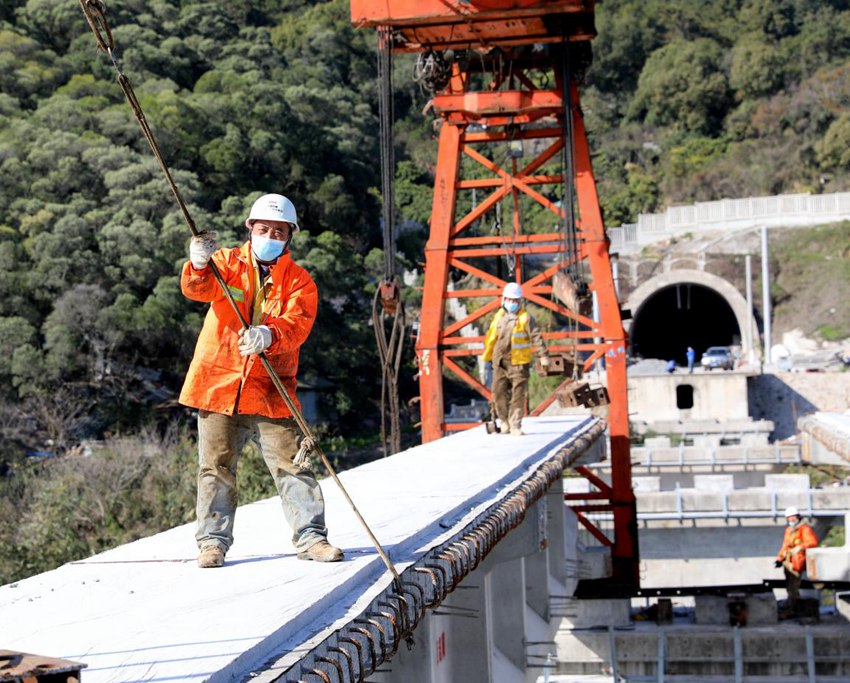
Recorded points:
244,98
694,101
684,101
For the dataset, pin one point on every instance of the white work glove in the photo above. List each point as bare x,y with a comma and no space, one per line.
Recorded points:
544,361
255,339
201,249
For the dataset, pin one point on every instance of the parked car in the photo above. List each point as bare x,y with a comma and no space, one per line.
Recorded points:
717,357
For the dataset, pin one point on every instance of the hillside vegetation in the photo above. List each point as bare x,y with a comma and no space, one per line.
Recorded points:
811,281
684,101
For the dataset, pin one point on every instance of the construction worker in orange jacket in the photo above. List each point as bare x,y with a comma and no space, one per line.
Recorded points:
509,348
798,538
234,395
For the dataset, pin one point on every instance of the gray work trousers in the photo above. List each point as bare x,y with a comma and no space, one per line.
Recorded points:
221,439
510,390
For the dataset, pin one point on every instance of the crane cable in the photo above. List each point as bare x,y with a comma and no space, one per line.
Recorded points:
94,11
570,237
571,247
387,307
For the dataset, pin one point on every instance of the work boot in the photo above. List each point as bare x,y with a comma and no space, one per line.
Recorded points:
516,431
211,556
321,552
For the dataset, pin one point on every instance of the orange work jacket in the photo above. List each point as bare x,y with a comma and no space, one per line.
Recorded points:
799,535
219,379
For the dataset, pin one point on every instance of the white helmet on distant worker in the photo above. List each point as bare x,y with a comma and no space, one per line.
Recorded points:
792,512
512,291
274,207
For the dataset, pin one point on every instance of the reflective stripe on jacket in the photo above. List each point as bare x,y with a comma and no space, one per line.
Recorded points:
522,349
799,535
219,379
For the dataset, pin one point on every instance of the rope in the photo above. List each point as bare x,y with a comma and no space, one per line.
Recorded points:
387,302
94,11
390,353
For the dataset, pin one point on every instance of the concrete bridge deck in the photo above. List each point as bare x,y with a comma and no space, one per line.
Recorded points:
827,436
144,611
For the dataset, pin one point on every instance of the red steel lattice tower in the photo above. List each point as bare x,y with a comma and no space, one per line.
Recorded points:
509,71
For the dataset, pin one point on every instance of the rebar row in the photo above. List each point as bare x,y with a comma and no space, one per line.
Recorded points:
356,651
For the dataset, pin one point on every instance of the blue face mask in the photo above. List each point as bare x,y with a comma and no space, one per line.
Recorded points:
512,306
265,249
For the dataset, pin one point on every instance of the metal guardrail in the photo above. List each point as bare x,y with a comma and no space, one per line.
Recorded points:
737,660
725,512
774,511
782,455
732,214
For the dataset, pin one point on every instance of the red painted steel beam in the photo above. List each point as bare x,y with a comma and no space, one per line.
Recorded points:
419,25
437,269
625,552
601,484
423,12
475,105
594,530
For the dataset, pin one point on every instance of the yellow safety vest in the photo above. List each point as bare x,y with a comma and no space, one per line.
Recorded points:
521,348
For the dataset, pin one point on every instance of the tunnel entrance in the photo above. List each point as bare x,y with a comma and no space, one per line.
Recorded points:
682,315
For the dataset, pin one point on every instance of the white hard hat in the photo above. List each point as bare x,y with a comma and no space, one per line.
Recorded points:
512,291
274,207
792,512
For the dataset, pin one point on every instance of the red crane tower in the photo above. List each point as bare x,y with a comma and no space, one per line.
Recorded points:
511,134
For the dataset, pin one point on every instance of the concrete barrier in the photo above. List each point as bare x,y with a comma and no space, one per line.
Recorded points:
721,483
758,609
830,564
787,482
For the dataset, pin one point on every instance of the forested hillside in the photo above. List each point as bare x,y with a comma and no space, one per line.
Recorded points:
244,98
684,101
692,101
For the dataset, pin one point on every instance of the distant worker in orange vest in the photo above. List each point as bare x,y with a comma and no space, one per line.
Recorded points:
798,538
234,395
509,349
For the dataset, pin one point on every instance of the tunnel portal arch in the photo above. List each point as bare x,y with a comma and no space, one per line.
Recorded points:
684,308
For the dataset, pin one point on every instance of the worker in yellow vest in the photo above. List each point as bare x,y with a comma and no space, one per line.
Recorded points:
509,349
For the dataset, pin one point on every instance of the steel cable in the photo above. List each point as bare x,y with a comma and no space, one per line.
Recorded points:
94,11
387,301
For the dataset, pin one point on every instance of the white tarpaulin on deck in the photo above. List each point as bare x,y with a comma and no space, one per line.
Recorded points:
146,612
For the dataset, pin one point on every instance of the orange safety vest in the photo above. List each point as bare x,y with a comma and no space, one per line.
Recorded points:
219,379
800,535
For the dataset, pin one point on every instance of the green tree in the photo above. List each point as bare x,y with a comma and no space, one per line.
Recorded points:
682,85
757,68
834,148
27,69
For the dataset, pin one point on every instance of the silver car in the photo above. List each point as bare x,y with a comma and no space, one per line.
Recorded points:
717,357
